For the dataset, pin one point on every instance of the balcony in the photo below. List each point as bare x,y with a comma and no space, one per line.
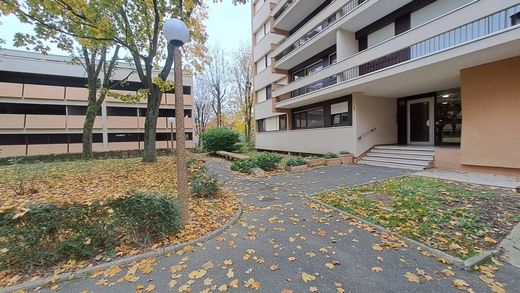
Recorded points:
288,13
470,25
262,14
320,32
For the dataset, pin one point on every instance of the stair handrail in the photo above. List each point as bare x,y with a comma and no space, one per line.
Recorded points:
366,133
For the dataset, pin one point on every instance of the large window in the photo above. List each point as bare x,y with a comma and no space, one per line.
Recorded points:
282,122
261,125
309,119
448,116
339,114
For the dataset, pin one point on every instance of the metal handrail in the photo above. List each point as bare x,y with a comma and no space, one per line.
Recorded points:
366,133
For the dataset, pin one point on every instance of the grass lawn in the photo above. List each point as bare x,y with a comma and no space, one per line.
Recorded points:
76,183
460,219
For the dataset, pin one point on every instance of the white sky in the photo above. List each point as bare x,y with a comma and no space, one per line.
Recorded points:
227,25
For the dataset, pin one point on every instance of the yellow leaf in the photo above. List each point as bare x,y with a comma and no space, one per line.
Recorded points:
329,266
208,281
291,258
448,273
197,274
490,240
377,269
234,283
251,283
460,284
222,288
308,277
274,267
150,288
228,262
411,277
230,273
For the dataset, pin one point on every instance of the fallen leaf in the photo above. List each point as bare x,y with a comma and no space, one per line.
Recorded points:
274,267
308,277
377,269
197,274
411,277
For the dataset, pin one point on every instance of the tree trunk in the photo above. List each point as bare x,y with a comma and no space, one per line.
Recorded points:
88,129
182,167
90,118
150,126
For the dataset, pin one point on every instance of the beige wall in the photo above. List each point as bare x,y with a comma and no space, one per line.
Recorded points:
11,90
45,149
491,114
76,94
45,121
317,141
76,122
449,158
12,150
12,121
33,91
374,112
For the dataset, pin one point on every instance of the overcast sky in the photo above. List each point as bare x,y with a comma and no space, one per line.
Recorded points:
227,25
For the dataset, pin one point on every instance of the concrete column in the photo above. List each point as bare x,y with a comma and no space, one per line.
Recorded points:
346,46
104,125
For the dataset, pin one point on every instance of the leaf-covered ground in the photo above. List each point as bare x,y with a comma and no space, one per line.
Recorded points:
460,219
82,182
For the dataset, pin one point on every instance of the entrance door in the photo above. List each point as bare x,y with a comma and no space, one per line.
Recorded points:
420,121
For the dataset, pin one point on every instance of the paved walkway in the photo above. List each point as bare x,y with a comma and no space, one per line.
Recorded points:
474,178
283,243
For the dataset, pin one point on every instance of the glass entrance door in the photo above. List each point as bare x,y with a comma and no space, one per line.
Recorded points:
420,121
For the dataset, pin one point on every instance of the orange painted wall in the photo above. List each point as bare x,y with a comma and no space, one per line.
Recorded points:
491,114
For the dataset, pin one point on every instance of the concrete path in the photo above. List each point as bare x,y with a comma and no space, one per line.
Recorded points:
474,178
283,243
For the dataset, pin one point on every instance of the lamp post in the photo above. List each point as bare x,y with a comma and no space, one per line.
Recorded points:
177,33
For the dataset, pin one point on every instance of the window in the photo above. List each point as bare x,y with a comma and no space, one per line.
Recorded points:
37,109
339,114
309,119
268,92
265,61
165,112
123,137
261,126
121,111
282,122
80,110
333,58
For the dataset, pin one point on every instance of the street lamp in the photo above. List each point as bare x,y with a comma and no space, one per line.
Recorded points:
176,32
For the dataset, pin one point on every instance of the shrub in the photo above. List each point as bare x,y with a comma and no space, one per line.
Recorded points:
243,166
148,216
219,139
330,156
246,147
204,185
48,234
298,161
267,161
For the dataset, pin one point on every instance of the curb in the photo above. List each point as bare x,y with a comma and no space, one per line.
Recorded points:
73,275
466,265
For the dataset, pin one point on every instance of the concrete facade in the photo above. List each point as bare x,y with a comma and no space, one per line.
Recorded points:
43,100
381,52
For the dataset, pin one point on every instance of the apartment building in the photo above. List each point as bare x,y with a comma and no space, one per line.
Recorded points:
43,101
397,83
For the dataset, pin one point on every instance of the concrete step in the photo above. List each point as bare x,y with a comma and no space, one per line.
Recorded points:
401,156
404,147
403,152
391,165
398,161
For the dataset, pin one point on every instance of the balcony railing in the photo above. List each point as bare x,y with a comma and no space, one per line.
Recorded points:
283,8
344,10
479,28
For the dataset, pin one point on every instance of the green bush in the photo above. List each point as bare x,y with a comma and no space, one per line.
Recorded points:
219,139
330,156
204,185
243,166
246,147
267,161
298,161
48,234
148,216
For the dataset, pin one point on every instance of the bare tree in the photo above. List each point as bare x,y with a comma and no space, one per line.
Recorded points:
216,79
201,106
242,74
